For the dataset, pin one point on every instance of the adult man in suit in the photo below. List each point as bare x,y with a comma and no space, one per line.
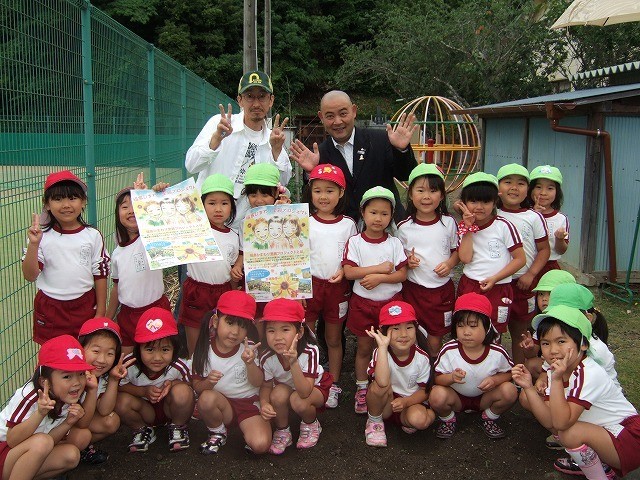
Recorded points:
368,157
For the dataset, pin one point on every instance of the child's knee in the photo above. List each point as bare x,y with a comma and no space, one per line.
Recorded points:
438,396
259,443
280,395
41,445
181,394
509,392
298,404
67,456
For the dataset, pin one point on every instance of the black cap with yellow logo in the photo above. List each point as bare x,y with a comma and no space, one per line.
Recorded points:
255,78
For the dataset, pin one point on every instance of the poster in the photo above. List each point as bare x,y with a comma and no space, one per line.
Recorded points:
276,252
173,226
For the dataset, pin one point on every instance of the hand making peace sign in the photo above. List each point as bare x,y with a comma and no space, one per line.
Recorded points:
249,354
277,137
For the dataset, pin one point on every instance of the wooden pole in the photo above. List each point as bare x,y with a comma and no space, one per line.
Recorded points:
250,34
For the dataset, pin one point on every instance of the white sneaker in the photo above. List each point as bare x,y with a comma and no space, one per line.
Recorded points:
334,396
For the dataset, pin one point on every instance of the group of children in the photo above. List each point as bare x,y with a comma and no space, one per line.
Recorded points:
252,364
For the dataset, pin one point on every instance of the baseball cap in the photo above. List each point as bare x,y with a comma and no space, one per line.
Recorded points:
512,169
571,295
480,177
63,176
264,174
63,353
255,78
330,173
396,312
100,323
283,310
238,304
552,279
473,302
217,183
425,169
546,171
378,192
154,324
568,315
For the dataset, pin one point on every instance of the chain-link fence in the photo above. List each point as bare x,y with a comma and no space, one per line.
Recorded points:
79,91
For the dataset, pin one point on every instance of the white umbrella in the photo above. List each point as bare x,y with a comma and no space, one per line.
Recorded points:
599,12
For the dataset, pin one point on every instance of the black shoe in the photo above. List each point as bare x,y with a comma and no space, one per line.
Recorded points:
92,456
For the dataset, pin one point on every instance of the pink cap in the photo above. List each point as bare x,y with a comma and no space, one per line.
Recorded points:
238,304
330,173
396,312
283,310
154,324
100,323
473,302
61,176
63,353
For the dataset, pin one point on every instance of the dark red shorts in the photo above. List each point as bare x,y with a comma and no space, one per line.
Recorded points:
433,306
4,451
128,319
500,296
161,417
330,299
470,403
627,444
199,298
523,308
550,265
244,408
52,318
365,313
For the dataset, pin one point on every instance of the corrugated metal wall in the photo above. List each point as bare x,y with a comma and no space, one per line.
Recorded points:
503,142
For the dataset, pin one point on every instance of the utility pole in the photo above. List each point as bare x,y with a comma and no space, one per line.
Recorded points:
267,37
250,37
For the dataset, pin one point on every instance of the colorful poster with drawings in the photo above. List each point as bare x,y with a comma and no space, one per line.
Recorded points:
173,226
277,263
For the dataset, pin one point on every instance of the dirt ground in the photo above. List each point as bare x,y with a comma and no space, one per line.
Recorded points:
342,453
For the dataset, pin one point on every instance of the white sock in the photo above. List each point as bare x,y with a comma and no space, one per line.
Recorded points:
375,418
490,415
361,384
219,429
588,461
449,417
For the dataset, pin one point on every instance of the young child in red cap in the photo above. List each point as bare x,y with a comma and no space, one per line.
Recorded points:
329,231
400,372
293,376
67,259
156,389
226,375
36,434
472,372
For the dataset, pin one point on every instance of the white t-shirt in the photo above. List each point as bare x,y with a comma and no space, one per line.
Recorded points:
492,247
532,229
493,360
327,240
138,285
218,272
362,251
407,376
309,361
70,261
555,220
434,242
22,405
178,370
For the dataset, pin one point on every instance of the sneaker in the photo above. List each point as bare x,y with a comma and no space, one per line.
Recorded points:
142,438
92,456
491,428
178,437
361,400
567,466
409,430
213,444
280,441
374,434
309,434
553,443
334,394
446,429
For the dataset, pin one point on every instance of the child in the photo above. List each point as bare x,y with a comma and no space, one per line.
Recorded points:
430,240
136,288
100,338
472,372
378,264
62,246
513,180
291,229
489,246
329,231
582,404
206,281
293,376
36,435
400,371
156,389
545,195
186,208
226,375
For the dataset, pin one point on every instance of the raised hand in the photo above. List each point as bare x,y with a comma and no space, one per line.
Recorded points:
214,377
139,182
119,370
560,365
304,157
458,375
536,204
224,128
160,187
561,234
412,259
291,354
45,403
35,232
381,339
277,137
527,342
76,412
467,217
521,376
400,136
249,353
92,381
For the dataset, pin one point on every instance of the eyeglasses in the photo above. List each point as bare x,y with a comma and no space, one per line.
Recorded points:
261,97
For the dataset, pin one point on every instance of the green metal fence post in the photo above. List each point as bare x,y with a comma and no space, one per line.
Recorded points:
151,85
87,99
183,117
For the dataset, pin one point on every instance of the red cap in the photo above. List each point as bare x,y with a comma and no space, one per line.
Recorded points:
283,310
473,302
63,353
238,304
329,173
100,323
154,324
397,312
61,176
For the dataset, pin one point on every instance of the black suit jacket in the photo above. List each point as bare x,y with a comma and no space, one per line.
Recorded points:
375,163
